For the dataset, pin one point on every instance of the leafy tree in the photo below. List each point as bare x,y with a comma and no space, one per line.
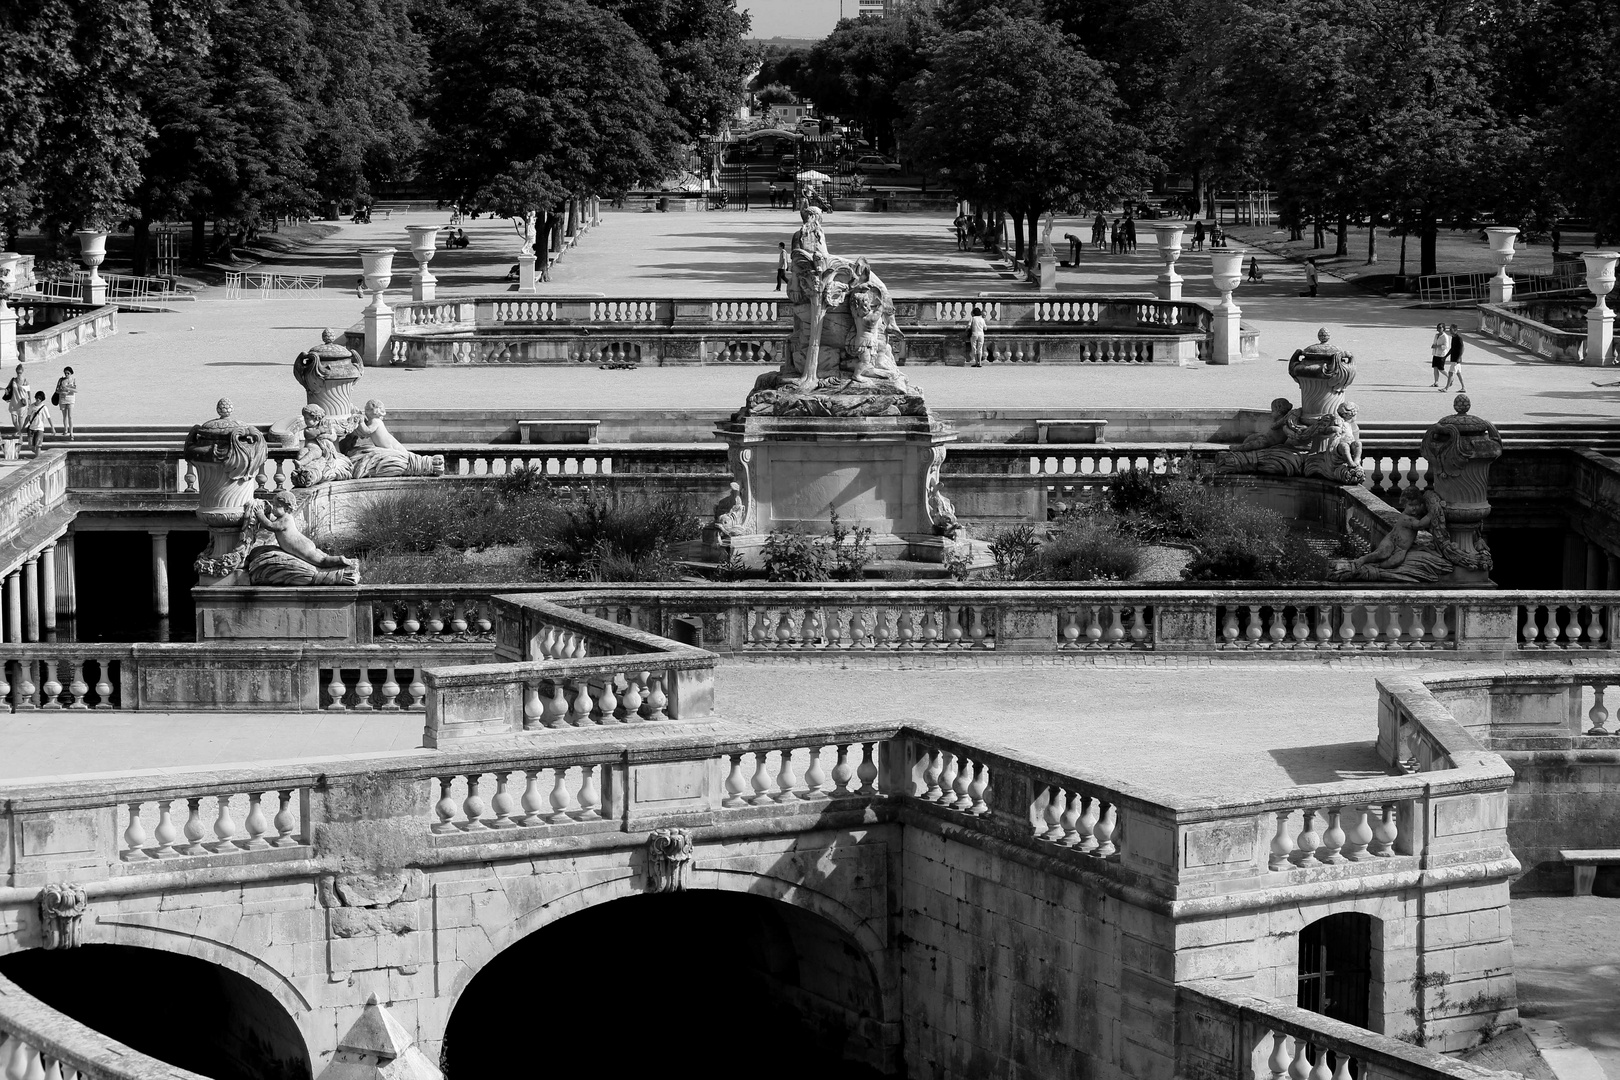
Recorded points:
702,51
856,72
774,94
1015,114
778,64
522,117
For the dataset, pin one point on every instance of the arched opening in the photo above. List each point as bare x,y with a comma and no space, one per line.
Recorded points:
1335,967
686,975
179,1009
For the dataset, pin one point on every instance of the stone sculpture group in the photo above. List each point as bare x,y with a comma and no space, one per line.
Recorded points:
1319,438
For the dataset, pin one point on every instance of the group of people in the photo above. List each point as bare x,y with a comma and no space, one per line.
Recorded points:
1445,355
1119,234
970,231
31,412
1215,235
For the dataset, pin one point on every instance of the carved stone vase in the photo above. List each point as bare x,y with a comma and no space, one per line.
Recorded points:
1460,449
228,455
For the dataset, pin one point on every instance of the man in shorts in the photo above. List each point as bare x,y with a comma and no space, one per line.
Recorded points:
1454,361
1439,351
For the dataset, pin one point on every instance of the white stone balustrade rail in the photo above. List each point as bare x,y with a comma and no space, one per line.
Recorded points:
431,613
54,327
1512,323
62,676
1224,1034
32,508
39,1043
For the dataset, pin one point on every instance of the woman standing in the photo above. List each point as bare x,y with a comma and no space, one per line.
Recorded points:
67,391
976,337
17,395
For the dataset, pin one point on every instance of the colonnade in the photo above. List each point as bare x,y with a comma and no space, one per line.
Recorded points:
1588,565
36,594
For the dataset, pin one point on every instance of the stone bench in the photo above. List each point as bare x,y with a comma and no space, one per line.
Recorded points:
1585,862
557,431
1070,431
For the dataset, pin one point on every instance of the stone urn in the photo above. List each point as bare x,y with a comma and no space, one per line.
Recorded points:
1599,320
424,243
228,455
1460,449
378,266
92,252
1324,372
328,372
1226,329
9,261
1226,272
1501,239
1168,237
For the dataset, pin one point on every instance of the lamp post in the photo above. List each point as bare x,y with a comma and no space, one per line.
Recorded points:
1599,320
424,242
1502,250
1226,273
378,266
92,250
1168,237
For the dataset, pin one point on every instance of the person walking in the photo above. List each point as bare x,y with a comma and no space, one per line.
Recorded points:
17,395
39,418
1099,231
1439,352
1198,236
67,391
1115,238
781,265
961,232
1129,229
1254,269
1454,361
1310,278
976,337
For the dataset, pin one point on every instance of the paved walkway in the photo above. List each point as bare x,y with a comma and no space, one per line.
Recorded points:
170,368
1567,957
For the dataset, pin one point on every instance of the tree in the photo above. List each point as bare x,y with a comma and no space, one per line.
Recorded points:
1015,114
522,117
856,72
702,51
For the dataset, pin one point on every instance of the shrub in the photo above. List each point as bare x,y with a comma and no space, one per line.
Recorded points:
850,551
1089,547
792,555
424,520
595,537
1014,550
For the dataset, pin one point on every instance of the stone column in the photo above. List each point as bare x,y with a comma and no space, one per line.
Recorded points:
1599,320
160,572
68,591
14,623
30,591
47,585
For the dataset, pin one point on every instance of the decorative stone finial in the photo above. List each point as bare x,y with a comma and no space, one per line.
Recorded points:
1462,404
224,407
1322,335
378,1047
61,907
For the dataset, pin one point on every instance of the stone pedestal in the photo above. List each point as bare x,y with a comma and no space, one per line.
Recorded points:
1501,287
526,273
228,456
1226,342
425,286
1599,333
8,334
1460,449
379,328
1046,272
877,472
1167,235
92,251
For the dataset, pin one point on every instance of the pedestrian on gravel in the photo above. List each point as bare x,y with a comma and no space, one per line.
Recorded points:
1454,361
1310,278
1129,229
781,265
67,391
1099,231
17,395
1198,236
1439,352
1254,269
976,337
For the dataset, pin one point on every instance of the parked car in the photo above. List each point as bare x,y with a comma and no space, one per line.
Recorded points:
875,163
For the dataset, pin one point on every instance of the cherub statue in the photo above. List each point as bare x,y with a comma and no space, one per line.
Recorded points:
871,322
731,512
386,456
321,457
1393,550
296,559
1275,435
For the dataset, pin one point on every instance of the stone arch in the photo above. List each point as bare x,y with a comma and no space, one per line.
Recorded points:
112,930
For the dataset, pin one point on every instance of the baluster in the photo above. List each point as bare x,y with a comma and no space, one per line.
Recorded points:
1254,628
25,686
1595,632
632,699
657,700
224,826
761,781
472,807
1385,833
5,689
959,798
1277,628
1347,627
1333,839
953,625
503,804
881,635
560,798
1104,832
976,790
1438,634
1560,616
1597,713
1358,836
410,624
1229,628
1282,845
165,834
1300,631
134,837
433,619
1324,625
1048,824
1300,1067
929,632
80,685
1278,1061
1071,632
1071,821
815,777
1415,630
737,783
608,701
579,713
977,632
1093,628
255,824
1308,841
785,779
335,689
842,772
532,802
930,777
193,829
906,630
418,690
867,773
1392,625
947,779
390,688
51,691
1114,633
1342,1072
362,689
1321,1071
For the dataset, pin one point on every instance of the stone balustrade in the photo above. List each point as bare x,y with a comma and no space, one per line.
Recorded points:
1513,323
62,676
1225,1034
47,328
39,1043
218,821
432,614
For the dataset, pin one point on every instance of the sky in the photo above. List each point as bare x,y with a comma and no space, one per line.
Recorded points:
795,18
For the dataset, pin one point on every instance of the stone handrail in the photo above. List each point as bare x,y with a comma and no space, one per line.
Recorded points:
1222,1031
90,324
38,1041
31,491
1507,322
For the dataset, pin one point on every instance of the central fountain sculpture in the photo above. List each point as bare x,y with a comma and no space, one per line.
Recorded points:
1319,438
838,427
